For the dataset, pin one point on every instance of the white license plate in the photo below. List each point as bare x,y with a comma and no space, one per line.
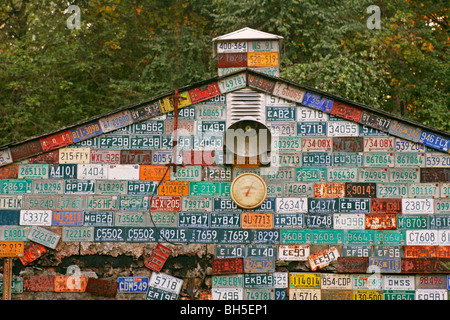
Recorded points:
309,114
398,282
343,129
411,206
92,171
123,172
437,160
293,252
291,205
165,282
431,294
74,155
283,128
349,221
227,293
336,281
35,217
422,238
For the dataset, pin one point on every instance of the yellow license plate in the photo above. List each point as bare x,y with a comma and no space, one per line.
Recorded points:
367,295
256,220
304,280
167,103
11,248
174,188
262,59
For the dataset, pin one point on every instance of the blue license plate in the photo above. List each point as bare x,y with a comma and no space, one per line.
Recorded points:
132,284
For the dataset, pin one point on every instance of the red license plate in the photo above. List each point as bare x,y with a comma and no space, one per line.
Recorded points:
107,288
9,172
165,203
56,141
48,157
418,265
26,150
32,252
159,256
70,283
39,283
352,264
204,92
227,265
329,190
420,251
381,205
348,144
136,157
345,111
105,156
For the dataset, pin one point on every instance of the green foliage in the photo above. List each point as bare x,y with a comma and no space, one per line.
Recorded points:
128,50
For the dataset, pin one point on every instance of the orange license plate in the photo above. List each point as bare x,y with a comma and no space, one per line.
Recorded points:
262,59
153,172
11,248
174,188
70,283
256,220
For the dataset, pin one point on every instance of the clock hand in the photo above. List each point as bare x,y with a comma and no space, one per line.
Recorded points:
249,189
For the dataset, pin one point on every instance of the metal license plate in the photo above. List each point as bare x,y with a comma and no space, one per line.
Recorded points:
204,92
98,218
211,112
228,281
96,203
385,221
232,83
212,173
307,114
286,159
439,221
132,284
92,171
207,142
408,146
140,187
342,174
311,174
188,127
352,264
5,157
154,172
141,234
174,235
398,294
379,144
334,294
110,187
107,288
227,265
76,234
13,233
193,220
225,220
291,205
431,282
109,234
43,236
308,129
367,281
392,190
354,205
423,190
385,205
79,186
440,206
385,265
322,144
346,111
145,112
263,46
24,150
317,102
128,203
16,186
255,220
115,121
398,282
293,252
349,221
411,206
63,171
367,295
232,59
316,159
33,171
174,188
336,282
130,219
348,144
143,142
347,159
74,155
330,190
359,237
405,131
286,144
136,156
375,121
41,202
287,92
67,218
412,221
232,236
275,113
56,140
265,236
389,237
99,156
297,189
39,283
404,175
159,294
295,236
258,280
230,250
262,59
435,141
288,220
409,160
304,280
323,205
85,131
431,294
262,83
342,129
165,157
16,285
437,160
259,294
209,189
282,128
319,221
9,172
356,251
48,186
278,173
305,294
35,217
70,283
259,264
11,248
31,252
225,205
323,258
163,219
149,127
227,293
379,159
334,237
196,204
422,237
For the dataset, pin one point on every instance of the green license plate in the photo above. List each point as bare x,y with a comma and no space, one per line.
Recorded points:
442,206
259,294
232,83
48,202
316,159
286,144
404,175
207,189
275,189
311,174
389,237
347,159
152,127
359,237
373,175
296,236
79,187
342,174
409,160
77,234
228,281
328,237
72,202
43,236
116,141
258,280
193,204
398,294
423,190
163,219
145,142
13,233
128,203
16,186
33,171
392,190
105,187
412,221
131,219
102,203
141,187
211,112
379,159
188,173
48,186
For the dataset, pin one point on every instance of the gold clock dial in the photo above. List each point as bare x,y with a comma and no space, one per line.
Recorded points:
248,190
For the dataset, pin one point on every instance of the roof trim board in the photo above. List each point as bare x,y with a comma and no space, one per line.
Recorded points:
200,91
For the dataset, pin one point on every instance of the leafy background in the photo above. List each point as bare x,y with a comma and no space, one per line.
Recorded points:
129,50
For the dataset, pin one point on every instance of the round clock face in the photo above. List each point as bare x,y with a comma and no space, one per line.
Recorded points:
248,190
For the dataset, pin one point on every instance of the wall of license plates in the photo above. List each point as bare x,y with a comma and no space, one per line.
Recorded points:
357,207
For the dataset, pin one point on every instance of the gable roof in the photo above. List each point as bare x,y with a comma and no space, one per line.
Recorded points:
201,91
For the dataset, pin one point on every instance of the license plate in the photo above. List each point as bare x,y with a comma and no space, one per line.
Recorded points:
282,128
354,205
389,237
9,172
36,217
409,160
207,142
287,92
352,264
96,203
67,218
232,59
323,205
16,285
348,144
128,203
349,221
48,186
24,150
209,189
13,233
347,159
74,155
405,131
16,186
159,294
404,175
411,206
212,173
385,265
412,221
263,46
258,280
227,265
107,288
259,264
86,131
79,187
431,282
288,220
343,110
356,251
316,144
204,92
304,280
442,206
408,146
39,283
342,174
109,187
388,251
385,221
63,171
319,221
92,172
335,237
211,112
149,127
232,83
228,281
386,205
225,205
291,205
132,284
435,141
398,282
392,190
293,252
379,159
105,156
367,295
399,294
174,188
342,129
70,283
40,202
286,159
140,187
375,121
379,144
286,144
436,160
43,236
109,234
136,156
11,248
359,237
281,113
330,190
422,237
316,159
336,294
141,234
317,102
227,293
431,294
130,219
295,236
295,189
33,171
225,220
308,114
278,173
193,220
423,190
439,221
367,282
311,174
193,204
323,258
259,294
123,172
154,172
5,157
262,59
140,142
31,252
308,129
305,294
115,121
75,234
230,250
336,281
188,173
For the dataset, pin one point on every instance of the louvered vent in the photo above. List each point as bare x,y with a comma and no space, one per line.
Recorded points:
245,104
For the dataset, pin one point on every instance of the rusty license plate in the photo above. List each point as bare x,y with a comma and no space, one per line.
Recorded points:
56,140
39,283
329,190
31,252
360,190
381,221
227,265
385,205
259,264
101,287
323,258
352,264
71,283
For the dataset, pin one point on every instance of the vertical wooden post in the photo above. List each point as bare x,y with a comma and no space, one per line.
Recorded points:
7,278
